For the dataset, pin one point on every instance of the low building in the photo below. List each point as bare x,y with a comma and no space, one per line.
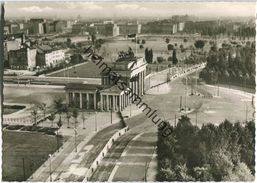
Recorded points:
48,56
110,95
125,29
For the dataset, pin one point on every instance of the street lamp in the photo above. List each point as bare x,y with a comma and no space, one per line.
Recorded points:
50,168
75,139
83,119
95,122
111,115
130,108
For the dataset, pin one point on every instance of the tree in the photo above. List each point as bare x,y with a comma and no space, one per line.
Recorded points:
122,121
170,58
141,46
34,114
211,153
143,41
170,47
199,44
149,55
240,173
160,59
76,58
167,40
59,107
51,118
67,111
42,107
68,42
59,125
83,119
174,57
93,38
75,115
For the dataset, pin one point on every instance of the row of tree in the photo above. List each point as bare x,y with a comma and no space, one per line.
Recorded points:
234,64
214,28
211,153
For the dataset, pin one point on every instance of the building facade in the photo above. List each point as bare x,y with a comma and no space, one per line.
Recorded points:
48,56
111,95
24,58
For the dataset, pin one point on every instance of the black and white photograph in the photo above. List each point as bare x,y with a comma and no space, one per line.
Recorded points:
128,91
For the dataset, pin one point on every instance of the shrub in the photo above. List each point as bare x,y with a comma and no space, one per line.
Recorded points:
170,47
160,59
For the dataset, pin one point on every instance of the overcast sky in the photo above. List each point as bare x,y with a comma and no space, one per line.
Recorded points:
115,9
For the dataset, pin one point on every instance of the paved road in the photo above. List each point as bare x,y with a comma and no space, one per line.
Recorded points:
128,158
137,142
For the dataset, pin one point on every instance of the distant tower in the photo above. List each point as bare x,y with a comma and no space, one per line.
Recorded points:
78,17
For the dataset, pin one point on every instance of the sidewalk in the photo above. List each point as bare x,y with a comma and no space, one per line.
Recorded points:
69,165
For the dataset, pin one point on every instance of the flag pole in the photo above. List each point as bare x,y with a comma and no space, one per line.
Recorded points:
136,44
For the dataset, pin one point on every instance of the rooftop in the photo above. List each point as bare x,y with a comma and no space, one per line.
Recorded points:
112,89
88,87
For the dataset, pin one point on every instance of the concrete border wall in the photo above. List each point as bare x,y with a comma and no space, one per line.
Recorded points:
102,154
180,73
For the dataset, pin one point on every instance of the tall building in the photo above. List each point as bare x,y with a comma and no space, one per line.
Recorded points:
37,26
181,26
24,58
116,30
174,28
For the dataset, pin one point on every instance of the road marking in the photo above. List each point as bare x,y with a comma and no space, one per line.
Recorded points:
136,137
106,163
123,154
113,173
139,155
146,148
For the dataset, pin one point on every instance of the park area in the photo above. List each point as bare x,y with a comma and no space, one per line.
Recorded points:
32,148
109,50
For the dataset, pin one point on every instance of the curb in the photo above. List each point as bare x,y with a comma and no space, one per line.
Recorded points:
102,154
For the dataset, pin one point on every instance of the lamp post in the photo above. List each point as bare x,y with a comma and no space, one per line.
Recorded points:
83,119
111,115
196,118
75,139
186,98
130,109
50,168
95,122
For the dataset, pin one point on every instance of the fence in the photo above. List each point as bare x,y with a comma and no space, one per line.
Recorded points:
28,120
102,154
18,121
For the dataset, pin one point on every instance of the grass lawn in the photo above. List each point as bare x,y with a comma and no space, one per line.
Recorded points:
87,70
32,146
110,49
